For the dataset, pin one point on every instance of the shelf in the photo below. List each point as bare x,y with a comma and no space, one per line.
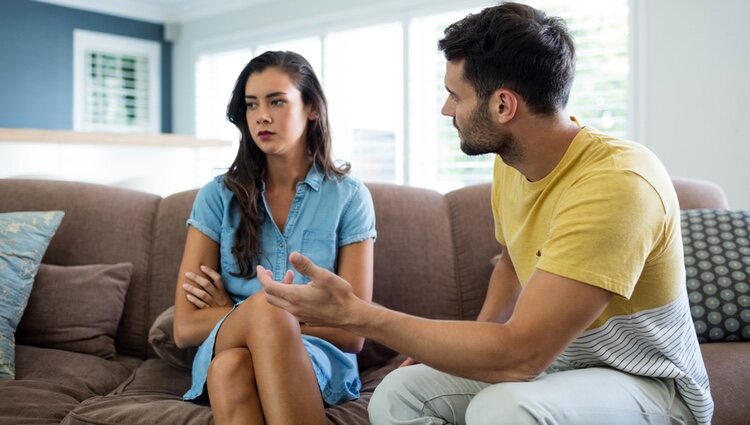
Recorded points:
105,139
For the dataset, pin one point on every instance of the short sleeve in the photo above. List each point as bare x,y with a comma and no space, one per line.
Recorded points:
208,210
604,230
358,217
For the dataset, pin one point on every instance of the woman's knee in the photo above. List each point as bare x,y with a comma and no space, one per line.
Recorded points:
268,322
230,366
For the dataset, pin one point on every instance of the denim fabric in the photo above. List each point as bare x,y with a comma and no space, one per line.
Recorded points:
326,214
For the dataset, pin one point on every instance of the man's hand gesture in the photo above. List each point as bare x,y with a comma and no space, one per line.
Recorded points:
328,300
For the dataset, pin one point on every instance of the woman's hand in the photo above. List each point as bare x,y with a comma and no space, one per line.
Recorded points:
206,293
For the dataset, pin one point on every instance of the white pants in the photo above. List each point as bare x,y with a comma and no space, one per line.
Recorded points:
419,395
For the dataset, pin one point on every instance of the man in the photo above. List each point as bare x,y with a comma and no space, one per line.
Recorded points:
586,319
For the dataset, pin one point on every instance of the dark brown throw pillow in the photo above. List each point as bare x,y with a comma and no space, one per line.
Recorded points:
161,337
76,308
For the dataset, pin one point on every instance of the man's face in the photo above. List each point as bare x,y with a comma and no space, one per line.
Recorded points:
479,133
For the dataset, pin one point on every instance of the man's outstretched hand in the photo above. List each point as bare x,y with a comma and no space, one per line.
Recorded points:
327,300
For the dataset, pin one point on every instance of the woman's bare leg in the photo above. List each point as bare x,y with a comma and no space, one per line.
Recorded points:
232,390
287,387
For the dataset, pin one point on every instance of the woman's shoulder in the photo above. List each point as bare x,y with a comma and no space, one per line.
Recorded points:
216,189
346,182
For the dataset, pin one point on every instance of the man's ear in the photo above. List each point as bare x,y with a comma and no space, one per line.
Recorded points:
503,105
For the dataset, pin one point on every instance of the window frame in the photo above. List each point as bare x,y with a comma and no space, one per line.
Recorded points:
84,41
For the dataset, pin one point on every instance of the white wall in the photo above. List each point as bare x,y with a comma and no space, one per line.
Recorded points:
692,72
696,102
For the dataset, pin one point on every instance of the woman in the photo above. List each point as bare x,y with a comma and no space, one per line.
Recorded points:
282,193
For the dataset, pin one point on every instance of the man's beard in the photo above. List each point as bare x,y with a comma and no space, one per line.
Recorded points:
481,136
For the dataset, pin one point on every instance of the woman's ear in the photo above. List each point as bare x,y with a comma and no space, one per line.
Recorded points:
312,115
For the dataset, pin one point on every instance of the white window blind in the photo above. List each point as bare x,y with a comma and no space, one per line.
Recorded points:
367,71
116,83
364,84
599,96
215,75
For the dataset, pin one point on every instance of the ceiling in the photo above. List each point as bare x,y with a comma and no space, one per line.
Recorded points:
159,11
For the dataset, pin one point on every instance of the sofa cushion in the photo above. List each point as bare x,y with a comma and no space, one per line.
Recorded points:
728,366
161,338
153,395
717,263
36,402
49,383
88,374
76,308
24,237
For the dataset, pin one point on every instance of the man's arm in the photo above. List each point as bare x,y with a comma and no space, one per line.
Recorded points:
502,291
550,313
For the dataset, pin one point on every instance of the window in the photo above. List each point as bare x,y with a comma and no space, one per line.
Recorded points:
385,89
116,83
215,75
309,47
363,80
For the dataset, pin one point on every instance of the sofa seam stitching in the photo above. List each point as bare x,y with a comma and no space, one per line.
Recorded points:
457,277
149,269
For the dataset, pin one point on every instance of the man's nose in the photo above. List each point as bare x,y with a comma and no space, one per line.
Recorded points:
448,108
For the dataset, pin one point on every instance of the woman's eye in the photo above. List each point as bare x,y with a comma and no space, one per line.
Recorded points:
251,106
277,102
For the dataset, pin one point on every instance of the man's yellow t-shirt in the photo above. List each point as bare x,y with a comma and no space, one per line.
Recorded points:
607,215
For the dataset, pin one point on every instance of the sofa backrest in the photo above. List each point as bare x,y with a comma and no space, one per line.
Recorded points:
432,256
102,225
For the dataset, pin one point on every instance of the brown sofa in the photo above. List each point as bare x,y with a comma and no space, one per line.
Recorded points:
432,258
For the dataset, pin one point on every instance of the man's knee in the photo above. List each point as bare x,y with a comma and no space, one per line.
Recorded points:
502,404
387,396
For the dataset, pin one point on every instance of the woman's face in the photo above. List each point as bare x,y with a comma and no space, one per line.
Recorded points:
276,115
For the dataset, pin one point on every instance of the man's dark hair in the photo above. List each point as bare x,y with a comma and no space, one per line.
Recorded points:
515,46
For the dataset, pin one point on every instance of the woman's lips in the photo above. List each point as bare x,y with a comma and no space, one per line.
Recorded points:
265,135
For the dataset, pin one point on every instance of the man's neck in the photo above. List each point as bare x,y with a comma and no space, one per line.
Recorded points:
544,141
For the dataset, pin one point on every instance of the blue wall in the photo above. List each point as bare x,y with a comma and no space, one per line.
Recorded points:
36,61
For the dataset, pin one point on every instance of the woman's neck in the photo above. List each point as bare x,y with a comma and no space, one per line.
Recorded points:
285,173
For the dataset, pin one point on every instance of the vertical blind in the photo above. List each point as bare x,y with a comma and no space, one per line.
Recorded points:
361,70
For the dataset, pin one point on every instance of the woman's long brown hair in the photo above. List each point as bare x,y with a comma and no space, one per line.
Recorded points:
249,167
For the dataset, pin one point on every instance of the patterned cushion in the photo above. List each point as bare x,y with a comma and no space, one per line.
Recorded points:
24,237
717,262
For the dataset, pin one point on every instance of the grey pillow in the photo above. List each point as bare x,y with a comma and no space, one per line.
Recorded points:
161,338
717,263
76,308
